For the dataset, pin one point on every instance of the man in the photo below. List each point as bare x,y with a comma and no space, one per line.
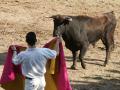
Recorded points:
33,62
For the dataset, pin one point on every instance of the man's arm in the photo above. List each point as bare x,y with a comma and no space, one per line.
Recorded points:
49,54
56,47
15,58
52,53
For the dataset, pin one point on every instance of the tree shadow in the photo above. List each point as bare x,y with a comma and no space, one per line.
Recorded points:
117,63
2,58
114,71
99,83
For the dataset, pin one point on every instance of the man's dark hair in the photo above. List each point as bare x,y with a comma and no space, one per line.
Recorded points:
31,38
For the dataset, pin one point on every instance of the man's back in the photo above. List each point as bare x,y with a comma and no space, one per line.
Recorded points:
33,61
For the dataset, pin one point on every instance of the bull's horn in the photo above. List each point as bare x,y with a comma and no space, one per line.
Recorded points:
69,18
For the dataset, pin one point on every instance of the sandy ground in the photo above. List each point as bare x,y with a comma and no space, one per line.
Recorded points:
17,17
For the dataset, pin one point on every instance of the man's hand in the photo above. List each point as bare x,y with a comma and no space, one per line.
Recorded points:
56,47
14,60
13,48
59,38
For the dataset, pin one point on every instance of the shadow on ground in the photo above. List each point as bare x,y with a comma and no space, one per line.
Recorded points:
87,61
100,84
2,58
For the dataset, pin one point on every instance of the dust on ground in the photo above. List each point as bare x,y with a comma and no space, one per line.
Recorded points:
17,17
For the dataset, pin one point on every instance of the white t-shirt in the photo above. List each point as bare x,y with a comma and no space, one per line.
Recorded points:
33,61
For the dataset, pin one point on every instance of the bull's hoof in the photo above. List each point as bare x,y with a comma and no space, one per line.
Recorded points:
73,67
105,64
83,66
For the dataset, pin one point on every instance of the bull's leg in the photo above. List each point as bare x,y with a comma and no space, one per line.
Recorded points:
93,44
111,36
108,44
74,60
82,54
107,57
112,40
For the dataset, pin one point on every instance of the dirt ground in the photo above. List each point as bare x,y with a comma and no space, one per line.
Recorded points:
17,17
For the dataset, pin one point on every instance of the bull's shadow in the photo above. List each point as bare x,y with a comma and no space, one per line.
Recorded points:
100,84
87,60
2,57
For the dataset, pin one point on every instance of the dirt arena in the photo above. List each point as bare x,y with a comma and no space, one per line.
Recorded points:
17,17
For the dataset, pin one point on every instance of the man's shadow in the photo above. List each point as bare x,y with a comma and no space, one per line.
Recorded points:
2,58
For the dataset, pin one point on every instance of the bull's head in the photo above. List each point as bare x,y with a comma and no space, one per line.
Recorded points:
59,24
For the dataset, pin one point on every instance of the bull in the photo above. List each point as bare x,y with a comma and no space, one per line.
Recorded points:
79,32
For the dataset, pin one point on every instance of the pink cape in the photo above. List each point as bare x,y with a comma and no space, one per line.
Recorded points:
61,77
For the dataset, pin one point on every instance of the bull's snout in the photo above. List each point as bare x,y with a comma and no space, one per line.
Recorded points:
54,35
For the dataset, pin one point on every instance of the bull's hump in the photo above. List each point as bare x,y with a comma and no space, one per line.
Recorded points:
82,17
